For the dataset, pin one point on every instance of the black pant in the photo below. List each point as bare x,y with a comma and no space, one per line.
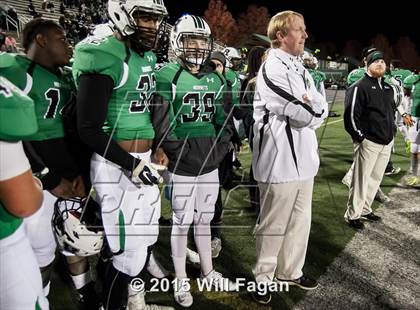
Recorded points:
225,180
254,192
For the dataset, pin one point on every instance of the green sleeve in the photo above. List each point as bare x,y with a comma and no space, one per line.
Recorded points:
90,59
164,78
354,76
17,113
13,67
235,82
220,114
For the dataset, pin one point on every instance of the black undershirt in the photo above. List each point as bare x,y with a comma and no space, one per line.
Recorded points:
93,97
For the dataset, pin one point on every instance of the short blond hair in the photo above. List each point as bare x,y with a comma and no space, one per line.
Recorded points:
280,22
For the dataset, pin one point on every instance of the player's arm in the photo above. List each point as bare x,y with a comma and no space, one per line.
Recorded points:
92,106
160,111
63,161
20,192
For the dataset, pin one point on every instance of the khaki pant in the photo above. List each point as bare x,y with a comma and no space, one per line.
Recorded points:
283,230
370,160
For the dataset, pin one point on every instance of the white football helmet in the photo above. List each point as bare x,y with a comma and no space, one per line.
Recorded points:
102,30
122,14
233,58
185,35
78,232
309,60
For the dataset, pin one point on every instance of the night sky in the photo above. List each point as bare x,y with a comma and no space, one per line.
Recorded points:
336,21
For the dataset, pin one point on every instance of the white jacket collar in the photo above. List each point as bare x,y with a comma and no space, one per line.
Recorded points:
293,62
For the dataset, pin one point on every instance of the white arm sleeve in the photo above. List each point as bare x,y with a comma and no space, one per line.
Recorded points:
13,161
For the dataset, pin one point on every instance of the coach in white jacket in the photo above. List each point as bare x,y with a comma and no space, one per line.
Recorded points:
287,110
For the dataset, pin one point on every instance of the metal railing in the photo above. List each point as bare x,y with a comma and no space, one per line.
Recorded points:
14,23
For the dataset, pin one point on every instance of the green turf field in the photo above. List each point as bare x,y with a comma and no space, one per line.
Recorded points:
329,233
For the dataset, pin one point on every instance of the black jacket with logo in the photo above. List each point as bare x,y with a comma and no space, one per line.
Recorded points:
370,111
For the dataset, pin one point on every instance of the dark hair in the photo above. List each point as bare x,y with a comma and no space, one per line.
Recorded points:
254,60
35,27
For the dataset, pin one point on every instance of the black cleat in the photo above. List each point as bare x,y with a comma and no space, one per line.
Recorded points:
303,282
371,217
357,224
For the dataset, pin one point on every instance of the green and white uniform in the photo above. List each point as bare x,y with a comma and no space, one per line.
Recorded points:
196,118
319,78
400,75
196,144
413,81
129,116
131,224
232,77
50,91
355,75
18,268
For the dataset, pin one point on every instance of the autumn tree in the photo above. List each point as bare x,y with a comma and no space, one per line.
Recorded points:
405,50
254,20
221,22
381,42
352,48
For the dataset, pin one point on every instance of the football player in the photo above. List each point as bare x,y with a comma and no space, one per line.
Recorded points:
40,74
311,63
20,197
196,140
412,84
116,79
398,73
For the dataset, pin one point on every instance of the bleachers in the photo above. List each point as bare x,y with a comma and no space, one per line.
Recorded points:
21,7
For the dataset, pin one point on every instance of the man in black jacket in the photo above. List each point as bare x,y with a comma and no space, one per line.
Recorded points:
369,118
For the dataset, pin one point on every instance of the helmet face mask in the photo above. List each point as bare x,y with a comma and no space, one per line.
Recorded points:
195,49
309,60
143,35
191,40
233,58
237,64
76,230
133,19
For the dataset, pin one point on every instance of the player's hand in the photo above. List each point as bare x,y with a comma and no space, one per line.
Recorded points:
145,174
64,190
408,120
160,158
79,187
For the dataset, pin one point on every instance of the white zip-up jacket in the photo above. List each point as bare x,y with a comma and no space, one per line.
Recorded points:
285,144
